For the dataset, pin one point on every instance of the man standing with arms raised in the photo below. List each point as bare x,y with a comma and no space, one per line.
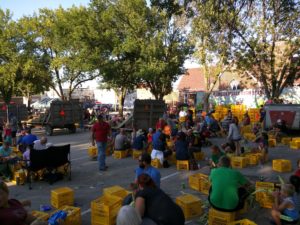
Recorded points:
100,131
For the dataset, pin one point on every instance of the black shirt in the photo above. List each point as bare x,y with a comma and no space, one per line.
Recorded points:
160,207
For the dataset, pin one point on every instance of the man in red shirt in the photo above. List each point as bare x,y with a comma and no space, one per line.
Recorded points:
100,131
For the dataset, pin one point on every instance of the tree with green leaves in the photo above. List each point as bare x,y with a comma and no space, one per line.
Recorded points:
123,23
261,38
163,51
60,34
9,65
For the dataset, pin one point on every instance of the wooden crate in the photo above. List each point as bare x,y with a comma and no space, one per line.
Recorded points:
62,196
120,154
183,165
282,165
238,162
216,217
190,205
156,163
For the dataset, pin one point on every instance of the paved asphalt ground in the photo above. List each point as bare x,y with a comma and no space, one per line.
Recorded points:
88,183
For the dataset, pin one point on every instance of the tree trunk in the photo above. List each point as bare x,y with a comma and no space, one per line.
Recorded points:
121,102
206,101
28,102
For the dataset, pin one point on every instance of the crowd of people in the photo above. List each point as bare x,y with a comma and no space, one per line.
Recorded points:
181,133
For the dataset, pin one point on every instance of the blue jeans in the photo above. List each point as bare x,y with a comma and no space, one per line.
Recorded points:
101,154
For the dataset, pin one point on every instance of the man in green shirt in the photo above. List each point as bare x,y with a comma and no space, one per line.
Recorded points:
228,191
216,154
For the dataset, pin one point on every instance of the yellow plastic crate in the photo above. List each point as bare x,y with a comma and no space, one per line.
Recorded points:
40,215
264,197
190,205
62,196
136,154
295,144
120,154
272,142
286,140
199,182
108,150
243,222
249,136
282,165
92,151
199,155
267,200
116,191
182,165
104,210
244,209
252,159
156,163
216,217
106,205
238,162
19,176
73,215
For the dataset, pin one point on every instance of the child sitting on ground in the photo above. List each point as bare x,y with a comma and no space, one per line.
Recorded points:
284,206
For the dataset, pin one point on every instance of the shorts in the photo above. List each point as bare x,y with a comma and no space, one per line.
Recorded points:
156,154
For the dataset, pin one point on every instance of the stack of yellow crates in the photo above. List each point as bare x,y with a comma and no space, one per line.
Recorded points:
62,196
190,205
254,115
264,195
104,210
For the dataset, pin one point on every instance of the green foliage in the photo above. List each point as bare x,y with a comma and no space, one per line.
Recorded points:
259,37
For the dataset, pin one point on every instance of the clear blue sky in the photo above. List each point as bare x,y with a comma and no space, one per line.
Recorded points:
28,7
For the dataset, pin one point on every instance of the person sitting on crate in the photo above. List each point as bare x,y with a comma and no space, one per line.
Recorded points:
145,167
160,149
183,152
284,209
41,144
12,211
227,121
121,141
216,154
6,160
139,141
194,141
228,187
155,206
